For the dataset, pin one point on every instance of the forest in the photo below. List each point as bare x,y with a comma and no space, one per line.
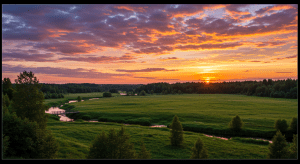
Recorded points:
266,88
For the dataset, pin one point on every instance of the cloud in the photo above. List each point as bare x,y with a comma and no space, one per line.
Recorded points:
61,72
100,59
145,70
289,57
169,58
27,57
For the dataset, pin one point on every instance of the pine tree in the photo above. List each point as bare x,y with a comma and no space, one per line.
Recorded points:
143,154
199,151
176,132
236,124
293,125
293,148
278,148
79,99
281,125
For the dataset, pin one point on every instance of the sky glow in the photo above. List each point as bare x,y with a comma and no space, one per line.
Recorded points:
141,44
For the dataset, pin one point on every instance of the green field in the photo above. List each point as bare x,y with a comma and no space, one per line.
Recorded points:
198,113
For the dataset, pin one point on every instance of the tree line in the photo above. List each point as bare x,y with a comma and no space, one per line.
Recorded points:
265,88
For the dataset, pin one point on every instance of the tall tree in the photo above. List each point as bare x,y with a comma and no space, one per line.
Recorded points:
278,148
29,100
7,88
176,132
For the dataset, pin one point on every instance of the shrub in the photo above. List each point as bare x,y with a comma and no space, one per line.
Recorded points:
106,94
293,148
236,124
26,140
112,146
281,125
143,154
142,93
176,132
79,99
86,117
79,120
199,151
293,125
278,148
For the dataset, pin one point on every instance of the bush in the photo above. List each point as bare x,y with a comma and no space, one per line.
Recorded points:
281,125
26,140
112,146
293,125
199,151
236,124
79,120
106,94
176,132
278,148
79,99
142,93
86,117
293,148
143,154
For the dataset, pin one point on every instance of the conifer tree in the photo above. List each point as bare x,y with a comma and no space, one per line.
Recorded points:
293,125
199,151
293,148
143,154
281,125
176,132
278,148
236,124
79,99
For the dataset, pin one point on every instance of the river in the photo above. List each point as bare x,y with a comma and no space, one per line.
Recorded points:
65,118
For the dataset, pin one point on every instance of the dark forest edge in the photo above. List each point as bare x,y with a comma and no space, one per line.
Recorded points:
266,88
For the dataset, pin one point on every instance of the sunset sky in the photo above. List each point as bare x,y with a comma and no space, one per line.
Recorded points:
141,44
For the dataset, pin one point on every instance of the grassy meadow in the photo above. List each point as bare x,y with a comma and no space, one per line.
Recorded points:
204,113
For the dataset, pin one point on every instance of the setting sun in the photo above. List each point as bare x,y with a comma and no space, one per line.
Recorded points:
140,44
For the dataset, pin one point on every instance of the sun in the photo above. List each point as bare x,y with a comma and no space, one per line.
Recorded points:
207,80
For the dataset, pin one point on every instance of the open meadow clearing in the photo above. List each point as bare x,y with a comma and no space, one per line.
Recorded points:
209,110
199,115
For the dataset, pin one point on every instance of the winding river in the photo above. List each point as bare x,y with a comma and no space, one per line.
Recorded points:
63,117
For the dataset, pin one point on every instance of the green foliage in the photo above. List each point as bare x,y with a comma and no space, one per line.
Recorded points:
5,101
106,94
293,148
236,124
26,140
113,90
5,144
281,125
142,93
112,146
7,88
199,151
79,99
278,148
86,117
249,140
29,100
144,153
176,132
293,125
